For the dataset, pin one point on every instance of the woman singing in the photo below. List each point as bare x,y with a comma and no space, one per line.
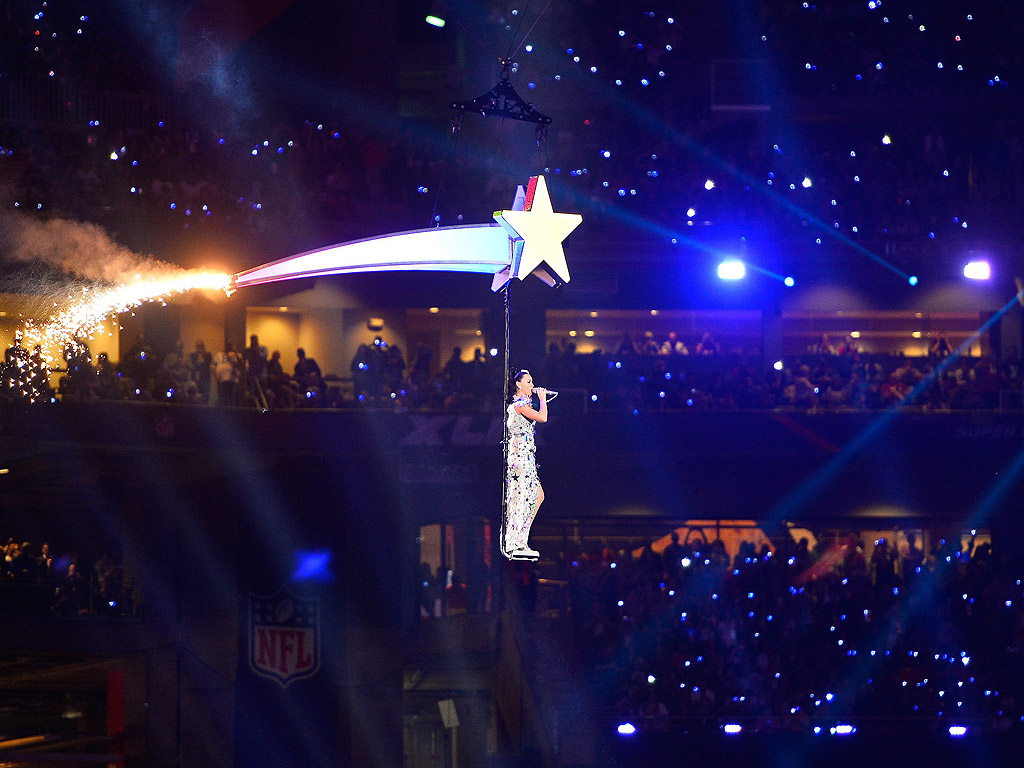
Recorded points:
525,494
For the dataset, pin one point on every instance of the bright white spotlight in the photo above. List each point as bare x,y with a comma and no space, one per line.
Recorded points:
843,730
626,729
709,185
778,365
732,728
789,282
732,270
958,730
977,270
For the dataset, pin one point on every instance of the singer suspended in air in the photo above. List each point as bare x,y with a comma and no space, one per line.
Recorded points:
525,494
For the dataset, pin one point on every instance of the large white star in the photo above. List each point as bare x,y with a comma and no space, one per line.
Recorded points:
542,232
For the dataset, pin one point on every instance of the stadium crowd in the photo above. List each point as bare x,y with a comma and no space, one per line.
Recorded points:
40,581
795,637
920,183
272,180
867,179
645,376
640,376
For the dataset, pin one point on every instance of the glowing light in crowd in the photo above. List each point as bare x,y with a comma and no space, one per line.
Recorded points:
435,21
732,270
977,270
732,728
789,282
626,729
958,730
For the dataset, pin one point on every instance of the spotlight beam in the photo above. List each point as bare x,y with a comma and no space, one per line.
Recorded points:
687,142
768,272
996,492
920,599
814,485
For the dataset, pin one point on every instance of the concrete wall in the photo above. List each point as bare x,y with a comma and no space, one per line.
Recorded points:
204,319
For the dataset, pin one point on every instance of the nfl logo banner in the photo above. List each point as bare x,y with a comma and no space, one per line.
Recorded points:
284,636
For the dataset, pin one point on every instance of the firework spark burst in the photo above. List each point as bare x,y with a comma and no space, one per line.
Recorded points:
80,317
74,280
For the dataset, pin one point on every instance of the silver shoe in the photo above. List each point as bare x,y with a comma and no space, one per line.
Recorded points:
523,553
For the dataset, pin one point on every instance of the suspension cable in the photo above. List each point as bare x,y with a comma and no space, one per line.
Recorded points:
457,120
541,14
512,43
504,417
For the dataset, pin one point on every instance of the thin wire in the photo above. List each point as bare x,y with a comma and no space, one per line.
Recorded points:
456,130
479,42
504,397
516,33
529,31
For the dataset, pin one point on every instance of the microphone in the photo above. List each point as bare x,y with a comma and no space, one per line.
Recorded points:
552,394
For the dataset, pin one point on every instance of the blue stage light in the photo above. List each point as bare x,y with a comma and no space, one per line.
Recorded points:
732,270
312,565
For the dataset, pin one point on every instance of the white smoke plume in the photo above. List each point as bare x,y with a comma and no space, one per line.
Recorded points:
95,279
81,249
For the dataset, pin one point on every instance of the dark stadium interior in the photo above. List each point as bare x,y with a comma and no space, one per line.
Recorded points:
260,526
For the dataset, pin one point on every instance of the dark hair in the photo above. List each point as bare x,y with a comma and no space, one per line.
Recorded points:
516,378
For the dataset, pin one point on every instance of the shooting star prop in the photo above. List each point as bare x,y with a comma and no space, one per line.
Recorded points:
522,239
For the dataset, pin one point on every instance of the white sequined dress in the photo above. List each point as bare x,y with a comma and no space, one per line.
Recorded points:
521,475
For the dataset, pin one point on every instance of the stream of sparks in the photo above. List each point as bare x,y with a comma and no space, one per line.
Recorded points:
80,318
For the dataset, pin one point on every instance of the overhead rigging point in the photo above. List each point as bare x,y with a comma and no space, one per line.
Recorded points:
503,101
